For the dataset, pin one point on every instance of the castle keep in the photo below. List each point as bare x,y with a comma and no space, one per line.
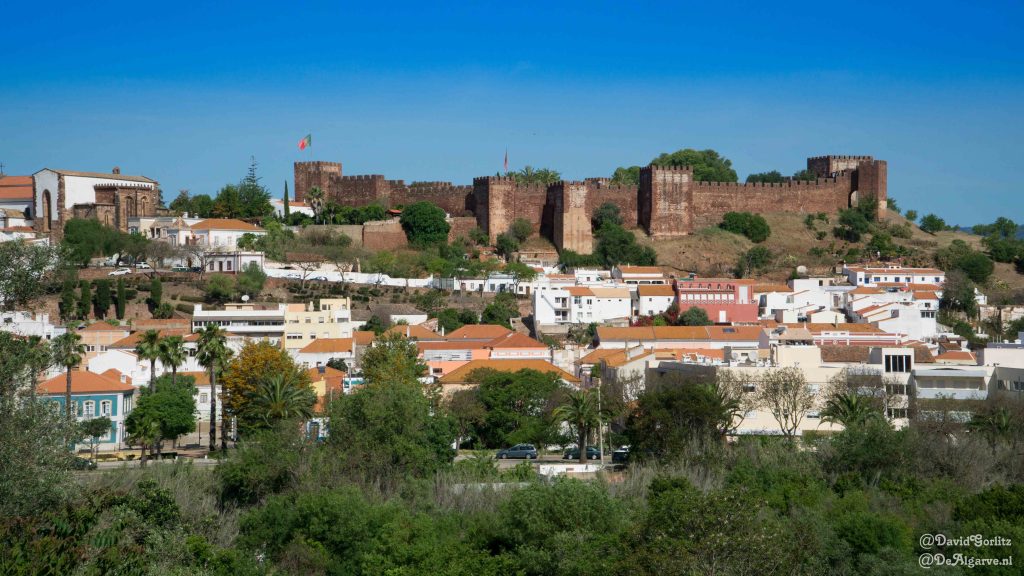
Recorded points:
668,201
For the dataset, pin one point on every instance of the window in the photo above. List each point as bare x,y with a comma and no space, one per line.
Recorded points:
294,336
89,409
106,408
204,398
227,265
897,363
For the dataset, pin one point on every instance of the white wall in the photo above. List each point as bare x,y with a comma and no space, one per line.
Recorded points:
45,180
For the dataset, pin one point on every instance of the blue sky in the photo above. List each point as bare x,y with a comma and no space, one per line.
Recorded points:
187,92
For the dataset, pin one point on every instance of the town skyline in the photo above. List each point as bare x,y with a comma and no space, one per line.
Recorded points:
400,94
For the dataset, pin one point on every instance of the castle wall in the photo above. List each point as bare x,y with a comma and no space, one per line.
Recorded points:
712,200
665,201
460,226
384,235
455,200
600,191
319,174
572,220
360,190
825,166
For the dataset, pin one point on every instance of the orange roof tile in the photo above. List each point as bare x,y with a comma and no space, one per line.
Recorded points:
596,355
865,290
132,340
734,333
956,355
515,340
16,188
201,378
363,337
478,332
85,382
462,373
328,346
762,288
578,291
655,290
451,345
225,224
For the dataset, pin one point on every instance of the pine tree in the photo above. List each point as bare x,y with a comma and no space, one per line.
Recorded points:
67,300
121,298
287,211
84,299
102,298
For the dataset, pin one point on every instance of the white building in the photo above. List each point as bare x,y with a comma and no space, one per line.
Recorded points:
639,275
28,324
582,305
651,299
244,320
220,234
892,274
293,207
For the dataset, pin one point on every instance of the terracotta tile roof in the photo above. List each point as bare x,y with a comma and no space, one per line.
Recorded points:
334,385
956,356
104,175
925,296
515,340
104,327
579,291
132,340
857,354
201,378
363,337
414,331
696,333
225,224
85,382
161,323
328,345
486,332
611,292
462,373
620,358
762,288
840,327
16,188
865,290
596,355
451,345
655,290
316,376
641,270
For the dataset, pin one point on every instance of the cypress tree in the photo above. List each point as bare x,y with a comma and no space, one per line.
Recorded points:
287,210
102,298
67,300
121,298
84,299
156,293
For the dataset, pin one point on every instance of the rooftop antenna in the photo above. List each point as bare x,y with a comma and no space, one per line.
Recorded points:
2,169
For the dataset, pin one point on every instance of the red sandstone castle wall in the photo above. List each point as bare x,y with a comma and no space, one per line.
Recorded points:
460,226
455,200
320,174
384,235
600,191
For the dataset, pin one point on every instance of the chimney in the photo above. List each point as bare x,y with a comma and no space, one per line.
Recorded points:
116,170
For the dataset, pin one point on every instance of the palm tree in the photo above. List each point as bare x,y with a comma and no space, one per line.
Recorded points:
41,358
316,202
580,411
848,409
148,348
280,397
172,353
995,425
67,352
213,353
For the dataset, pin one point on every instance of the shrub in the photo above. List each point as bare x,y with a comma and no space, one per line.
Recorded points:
753,226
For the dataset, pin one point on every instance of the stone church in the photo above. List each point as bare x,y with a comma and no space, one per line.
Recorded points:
113,199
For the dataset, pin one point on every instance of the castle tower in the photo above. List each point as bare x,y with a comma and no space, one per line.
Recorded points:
665,200
872,181
319,174
494,198
825,166
572,230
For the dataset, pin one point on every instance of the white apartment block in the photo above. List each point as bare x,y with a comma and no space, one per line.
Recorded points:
582,305
244,321
305,323
28,324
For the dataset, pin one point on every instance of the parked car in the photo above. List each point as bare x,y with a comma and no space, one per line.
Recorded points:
621,455
574,453
143,266
320,278
527,451
120,272
197,269
83,464
180,269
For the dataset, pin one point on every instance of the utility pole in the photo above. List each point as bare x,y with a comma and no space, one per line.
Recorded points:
600,427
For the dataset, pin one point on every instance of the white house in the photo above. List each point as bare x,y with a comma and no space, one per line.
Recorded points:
293,207
651,299
581,305
244,320
222,233
882,275
28,324
639,275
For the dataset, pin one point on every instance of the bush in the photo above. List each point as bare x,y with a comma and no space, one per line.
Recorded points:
977,266
932,224
219,288
753,226
424,224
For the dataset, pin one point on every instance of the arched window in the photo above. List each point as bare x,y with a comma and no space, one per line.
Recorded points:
89,408
106,407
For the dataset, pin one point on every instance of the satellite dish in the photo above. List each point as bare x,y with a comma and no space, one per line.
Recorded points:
245,297
801,270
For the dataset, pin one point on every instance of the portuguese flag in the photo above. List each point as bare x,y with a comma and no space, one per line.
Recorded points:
306,142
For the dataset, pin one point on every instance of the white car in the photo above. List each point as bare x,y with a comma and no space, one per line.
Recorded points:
143,266
120,272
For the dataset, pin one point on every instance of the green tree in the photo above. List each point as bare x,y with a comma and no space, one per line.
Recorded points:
520,273
102,298
518,405
607,213
753,261
521,228
753,226
890,204
148,348
244,374
202,206
501,310
772,177
466,412
286,204
219,288
852,224
958,294
616,245
849,409
251,280
85,238
530,175
506,244
911,215
707,165
172,354
84,299
478,236
580,412
679,413
626,176
977,266
156,293
213,353
694,317
805,175
92,430
931,224
122,298
279,397
68,301
784,392
228,203
315,197
424,224
171,407
25,272
182,204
